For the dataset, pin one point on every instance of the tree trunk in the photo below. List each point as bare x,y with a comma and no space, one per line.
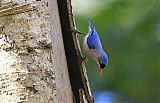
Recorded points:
33,66
77,71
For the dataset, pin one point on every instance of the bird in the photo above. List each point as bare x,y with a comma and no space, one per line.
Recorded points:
93,49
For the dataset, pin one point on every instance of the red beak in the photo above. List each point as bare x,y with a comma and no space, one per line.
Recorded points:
100,71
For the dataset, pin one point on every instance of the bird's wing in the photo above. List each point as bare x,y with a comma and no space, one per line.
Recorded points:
93,40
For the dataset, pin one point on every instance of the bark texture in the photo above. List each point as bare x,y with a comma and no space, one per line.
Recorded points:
33,66
77,70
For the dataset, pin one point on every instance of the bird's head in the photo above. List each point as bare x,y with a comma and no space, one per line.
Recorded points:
102,61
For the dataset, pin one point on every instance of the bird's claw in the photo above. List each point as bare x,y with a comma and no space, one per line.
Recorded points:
84,59
91,99
78,32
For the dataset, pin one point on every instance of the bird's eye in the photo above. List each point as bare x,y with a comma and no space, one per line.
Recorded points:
102,65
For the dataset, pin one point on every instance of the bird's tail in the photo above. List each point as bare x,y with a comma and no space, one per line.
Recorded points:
90,24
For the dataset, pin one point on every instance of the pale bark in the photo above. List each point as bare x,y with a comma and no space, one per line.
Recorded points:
33,66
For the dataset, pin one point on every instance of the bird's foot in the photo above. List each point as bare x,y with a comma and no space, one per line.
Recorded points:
84,59
91,99
78,32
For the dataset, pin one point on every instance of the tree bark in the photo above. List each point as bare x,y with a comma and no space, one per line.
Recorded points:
77,70
33,66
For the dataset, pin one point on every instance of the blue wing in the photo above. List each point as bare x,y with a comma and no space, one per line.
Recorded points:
93,40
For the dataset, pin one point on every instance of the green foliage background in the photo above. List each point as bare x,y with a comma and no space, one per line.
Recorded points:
130,34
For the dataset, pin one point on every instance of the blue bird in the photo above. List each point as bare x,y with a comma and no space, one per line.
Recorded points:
93,48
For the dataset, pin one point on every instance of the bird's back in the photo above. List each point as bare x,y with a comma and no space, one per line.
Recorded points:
90,53
92,44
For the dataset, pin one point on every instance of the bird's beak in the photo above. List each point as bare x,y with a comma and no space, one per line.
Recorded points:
100,71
